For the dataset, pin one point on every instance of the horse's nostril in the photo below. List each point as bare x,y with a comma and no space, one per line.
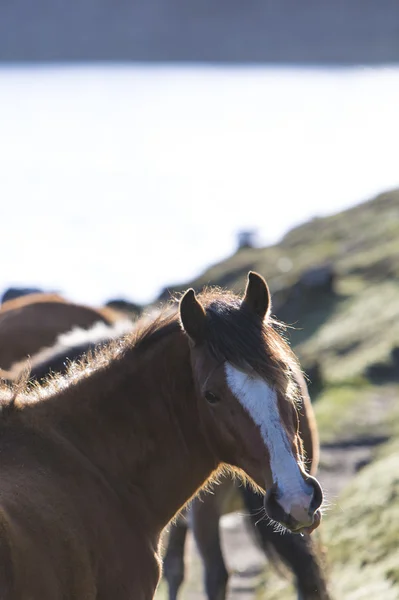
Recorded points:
317,498
294,512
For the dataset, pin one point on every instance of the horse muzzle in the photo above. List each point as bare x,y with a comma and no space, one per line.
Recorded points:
300,513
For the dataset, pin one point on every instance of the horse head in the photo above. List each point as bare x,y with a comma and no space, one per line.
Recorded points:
243,375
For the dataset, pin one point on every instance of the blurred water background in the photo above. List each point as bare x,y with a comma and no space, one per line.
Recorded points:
119,179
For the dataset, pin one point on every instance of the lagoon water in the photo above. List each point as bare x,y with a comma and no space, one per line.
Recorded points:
118,180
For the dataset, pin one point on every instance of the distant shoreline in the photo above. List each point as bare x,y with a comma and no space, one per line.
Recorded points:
168,64
359,32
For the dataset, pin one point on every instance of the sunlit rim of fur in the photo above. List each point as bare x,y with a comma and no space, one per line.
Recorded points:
218,477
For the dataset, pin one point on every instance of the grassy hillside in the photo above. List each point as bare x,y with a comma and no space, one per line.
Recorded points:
347,331
359,324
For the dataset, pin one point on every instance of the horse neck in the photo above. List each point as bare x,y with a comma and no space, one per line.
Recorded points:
137,421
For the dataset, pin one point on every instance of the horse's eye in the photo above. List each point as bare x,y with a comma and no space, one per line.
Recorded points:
211,397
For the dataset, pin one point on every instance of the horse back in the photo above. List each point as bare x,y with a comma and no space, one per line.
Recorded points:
27,299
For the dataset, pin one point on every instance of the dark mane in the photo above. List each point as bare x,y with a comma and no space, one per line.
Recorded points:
234,334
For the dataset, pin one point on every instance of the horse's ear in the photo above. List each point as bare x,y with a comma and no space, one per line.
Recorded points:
192,316
257,295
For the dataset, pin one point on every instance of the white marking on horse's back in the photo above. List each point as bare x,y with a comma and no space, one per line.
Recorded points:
259,399
98,332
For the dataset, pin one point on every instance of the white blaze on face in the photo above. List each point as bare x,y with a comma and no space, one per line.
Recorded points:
260,401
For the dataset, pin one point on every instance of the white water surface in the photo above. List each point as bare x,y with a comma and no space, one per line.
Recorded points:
119,180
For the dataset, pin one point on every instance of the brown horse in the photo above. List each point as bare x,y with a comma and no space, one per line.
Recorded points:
202,516
94,464
298,552
34,321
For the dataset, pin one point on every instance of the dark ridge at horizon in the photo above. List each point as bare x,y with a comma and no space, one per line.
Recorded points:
362,32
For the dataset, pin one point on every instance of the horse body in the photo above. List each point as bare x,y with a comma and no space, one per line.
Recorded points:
58,540
100,491
96,463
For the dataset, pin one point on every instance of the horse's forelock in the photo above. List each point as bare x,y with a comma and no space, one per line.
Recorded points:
237,336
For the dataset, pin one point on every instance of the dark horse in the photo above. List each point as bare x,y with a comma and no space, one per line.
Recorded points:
95,463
